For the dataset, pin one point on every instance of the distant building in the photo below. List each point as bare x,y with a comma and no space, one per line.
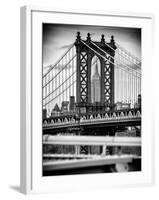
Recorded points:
64,107
72,104
138,103
139,100
55,111
44,113
95,86
121,106
82,110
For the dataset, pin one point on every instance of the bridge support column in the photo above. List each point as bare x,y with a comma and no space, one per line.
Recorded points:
112,42
112,82
77,150
78,76
89,78
104,148
86,50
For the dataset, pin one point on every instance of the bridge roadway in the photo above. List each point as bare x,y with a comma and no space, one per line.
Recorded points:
98,164
92,140
93,123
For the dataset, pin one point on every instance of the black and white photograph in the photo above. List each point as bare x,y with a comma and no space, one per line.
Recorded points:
91,99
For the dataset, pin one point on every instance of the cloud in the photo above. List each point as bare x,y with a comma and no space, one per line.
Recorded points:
57,38
65,46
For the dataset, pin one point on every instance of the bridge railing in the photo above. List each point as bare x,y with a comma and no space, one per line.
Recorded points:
99,118
85,141
92,140
59,161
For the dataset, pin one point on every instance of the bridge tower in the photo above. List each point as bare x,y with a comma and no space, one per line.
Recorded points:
86,50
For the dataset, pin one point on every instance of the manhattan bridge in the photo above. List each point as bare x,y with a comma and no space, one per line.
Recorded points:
92,108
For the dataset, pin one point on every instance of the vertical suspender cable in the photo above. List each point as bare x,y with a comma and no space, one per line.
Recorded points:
67,68
65,78
56,84
140,81
135,87
127,83
62,80
74,69
138,78
43,87
125,87
118,82
115,80
130,88
51,96
46,93
122,86
59,85
70,65
119,85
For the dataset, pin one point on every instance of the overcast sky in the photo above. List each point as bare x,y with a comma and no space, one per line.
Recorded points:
57,38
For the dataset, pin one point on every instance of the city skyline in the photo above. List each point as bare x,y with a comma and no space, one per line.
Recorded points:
95,92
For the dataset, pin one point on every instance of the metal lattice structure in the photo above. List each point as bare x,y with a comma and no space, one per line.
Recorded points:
86,50
83,78
107,81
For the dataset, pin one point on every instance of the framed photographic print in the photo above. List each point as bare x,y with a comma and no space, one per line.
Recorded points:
86,116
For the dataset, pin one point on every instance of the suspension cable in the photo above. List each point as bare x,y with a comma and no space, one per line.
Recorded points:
53,66
60,93
122,55
111,56
60,71
126,52
60,85
105,57
133,72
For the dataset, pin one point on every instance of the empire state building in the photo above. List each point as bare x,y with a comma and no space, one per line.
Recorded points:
95,86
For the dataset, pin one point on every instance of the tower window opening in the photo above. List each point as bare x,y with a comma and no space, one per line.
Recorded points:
95,80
